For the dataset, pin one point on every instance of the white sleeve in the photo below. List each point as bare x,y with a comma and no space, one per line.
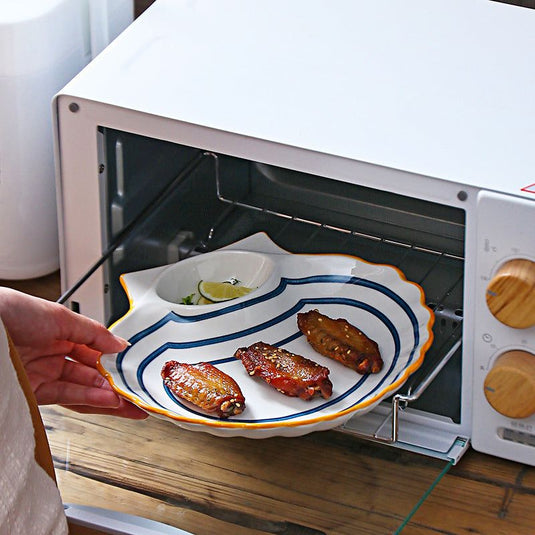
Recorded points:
29,499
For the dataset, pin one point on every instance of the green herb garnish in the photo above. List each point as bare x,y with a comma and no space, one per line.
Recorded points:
188,300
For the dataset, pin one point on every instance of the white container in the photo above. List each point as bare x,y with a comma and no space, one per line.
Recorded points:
43,44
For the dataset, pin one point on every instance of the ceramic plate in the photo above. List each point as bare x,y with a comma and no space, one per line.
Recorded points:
376,298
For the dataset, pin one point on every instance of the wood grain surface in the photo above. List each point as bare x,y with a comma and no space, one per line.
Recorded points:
323,483
511,293
510,384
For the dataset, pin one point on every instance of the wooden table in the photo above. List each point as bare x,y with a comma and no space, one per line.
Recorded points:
325,482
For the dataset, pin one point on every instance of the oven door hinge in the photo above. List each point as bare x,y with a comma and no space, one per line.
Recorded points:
418,437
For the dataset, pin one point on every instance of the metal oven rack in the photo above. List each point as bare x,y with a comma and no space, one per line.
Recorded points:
443,315
401,254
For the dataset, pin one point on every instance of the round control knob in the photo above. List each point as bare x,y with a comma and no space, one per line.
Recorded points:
511,294
510,385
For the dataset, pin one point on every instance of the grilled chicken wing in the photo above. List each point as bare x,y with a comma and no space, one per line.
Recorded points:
289,373
205,386
339,340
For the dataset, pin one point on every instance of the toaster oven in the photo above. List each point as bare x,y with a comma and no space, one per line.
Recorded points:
401,133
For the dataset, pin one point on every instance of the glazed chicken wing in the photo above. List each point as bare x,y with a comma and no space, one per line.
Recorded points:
339,340
205,386
289,373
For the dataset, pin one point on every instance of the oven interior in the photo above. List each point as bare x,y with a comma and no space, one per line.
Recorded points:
163,202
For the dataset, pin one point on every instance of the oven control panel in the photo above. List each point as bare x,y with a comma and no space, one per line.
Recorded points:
504,329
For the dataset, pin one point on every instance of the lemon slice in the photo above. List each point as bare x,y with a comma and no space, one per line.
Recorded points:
221,291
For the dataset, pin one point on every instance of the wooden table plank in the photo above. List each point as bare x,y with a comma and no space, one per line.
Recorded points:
47,287
313,484
325,482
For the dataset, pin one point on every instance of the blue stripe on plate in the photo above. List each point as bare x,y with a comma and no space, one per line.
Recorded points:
284,282
313,301
342,279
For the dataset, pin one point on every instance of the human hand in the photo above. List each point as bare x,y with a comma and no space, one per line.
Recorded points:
59,350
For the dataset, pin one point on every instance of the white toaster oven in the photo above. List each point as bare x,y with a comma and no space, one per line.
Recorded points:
398,132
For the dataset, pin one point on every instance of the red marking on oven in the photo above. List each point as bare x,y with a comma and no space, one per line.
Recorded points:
529,189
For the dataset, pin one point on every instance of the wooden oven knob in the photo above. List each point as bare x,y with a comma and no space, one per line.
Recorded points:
511,294
510,385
